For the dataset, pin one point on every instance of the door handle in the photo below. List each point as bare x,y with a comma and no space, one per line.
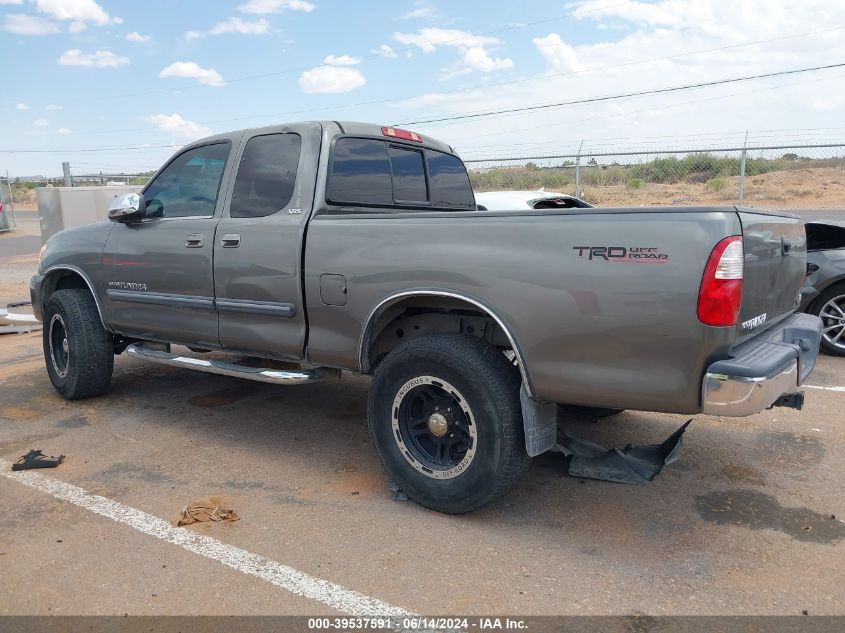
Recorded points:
194,240
230,240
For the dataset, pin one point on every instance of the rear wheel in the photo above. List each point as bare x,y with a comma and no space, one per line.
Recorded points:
445,417
830,307
78,351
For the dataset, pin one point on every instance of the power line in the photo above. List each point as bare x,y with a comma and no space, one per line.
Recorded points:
570,122
625,95
86,149
412,47
487,86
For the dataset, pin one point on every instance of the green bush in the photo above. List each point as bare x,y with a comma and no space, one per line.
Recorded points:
716,184
635,183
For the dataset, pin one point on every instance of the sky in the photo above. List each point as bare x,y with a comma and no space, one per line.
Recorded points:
129,82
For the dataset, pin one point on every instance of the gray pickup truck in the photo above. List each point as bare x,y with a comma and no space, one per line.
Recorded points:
318,247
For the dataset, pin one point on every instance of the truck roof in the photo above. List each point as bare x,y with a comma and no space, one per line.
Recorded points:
354,128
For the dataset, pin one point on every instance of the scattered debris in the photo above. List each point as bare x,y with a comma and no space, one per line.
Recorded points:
205,510
631,465
15,323
398,495
36,459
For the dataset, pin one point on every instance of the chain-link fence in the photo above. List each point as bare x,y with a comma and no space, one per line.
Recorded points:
777,176
805,176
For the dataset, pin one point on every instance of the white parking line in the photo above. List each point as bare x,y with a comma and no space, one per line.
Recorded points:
293,580
826,388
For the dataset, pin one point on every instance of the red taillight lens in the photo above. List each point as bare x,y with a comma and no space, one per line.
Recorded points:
395,132
721,286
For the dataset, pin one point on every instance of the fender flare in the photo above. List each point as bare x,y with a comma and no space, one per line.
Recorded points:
86,279
378,310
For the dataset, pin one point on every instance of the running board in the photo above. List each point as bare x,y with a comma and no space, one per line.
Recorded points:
274,376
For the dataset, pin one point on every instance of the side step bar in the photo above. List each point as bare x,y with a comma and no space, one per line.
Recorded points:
274,376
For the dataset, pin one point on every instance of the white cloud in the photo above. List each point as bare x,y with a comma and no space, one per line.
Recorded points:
63,131
472,48
558,53
78,12
22,24
41,122
385,51
53,106
22,106
630,57
234,25
97,59
331,79
192,70
134,36
478,59
422,10
276,6
11,2
429,38
177,126
341,60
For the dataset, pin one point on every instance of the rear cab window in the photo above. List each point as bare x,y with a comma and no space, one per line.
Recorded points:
381,173
266,175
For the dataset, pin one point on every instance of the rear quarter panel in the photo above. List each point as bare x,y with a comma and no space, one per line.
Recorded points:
591,331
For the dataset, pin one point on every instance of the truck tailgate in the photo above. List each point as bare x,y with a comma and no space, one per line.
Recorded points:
775,248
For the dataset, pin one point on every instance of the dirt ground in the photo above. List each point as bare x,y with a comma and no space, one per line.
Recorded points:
749,521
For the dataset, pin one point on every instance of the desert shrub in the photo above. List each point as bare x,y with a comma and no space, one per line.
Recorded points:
635,183
716,184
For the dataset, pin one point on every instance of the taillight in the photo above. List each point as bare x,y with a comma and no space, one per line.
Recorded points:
405,135
720,295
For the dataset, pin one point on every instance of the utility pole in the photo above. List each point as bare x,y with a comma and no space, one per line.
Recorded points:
578,171
742,169
66,172
11,199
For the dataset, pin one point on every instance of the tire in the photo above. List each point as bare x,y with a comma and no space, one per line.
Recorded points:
825,306
479,388
78,351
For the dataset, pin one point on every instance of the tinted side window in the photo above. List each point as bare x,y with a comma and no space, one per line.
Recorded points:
360,172
266,175
188,186
408,175
449,181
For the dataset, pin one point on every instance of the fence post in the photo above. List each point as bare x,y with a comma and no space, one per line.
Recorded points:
742,169
11,199
578,171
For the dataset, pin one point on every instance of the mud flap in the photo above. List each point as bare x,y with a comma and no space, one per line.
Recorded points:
539,419
631,465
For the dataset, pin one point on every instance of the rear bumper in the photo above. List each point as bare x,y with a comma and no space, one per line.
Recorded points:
762,370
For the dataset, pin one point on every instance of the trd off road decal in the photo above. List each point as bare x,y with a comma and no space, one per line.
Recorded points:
623,254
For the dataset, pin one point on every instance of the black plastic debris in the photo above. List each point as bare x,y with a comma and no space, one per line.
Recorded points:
36,459
398,495
630,465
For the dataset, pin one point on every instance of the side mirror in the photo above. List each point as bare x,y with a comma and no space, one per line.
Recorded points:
128,207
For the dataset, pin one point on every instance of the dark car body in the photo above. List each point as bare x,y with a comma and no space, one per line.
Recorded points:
823,293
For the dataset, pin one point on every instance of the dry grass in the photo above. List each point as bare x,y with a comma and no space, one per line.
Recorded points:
808,188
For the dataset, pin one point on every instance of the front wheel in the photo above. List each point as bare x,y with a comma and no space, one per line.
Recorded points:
830,307
445,417
78,351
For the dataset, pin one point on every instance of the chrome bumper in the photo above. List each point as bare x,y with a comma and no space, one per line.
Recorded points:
764,369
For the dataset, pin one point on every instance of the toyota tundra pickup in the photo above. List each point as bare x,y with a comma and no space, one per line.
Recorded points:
320,247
